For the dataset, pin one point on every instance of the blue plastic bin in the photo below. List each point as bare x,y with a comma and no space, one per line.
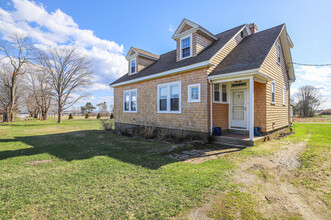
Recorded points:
257,131
217,131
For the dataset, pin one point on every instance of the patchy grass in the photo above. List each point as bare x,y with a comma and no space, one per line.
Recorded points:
93,174
315,170
235,205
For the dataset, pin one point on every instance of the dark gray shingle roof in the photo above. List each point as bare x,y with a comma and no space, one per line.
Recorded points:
250,52
168,61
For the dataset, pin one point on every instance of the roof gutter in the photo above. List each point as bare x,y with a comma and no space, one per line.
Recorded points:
165,73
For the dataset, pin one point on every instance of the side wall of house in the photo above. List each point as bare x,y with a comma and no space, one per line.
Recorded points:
277,115
193,116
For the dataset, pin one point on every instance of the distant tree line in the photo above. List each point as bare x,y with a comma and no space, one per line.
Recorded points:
40,80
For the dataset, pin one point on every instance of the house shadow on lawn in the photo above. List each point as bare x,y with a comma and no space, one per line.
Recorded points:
80,145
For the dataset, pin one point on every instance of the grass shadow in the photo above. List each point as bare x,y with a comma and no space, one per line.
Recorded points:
80,145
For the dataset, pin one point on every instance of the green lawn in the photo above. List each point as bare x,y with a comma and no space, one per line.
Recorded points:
94,174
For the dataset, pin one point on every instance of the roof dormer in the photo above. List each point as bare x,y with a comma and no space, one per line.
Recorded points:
191,39
139,59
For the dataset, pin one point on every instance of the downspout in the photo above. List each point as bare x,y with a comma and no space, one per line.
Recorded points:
211,108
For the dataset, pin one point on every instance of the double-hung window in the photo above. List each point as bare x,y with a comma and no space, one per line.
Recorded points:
194,93
220,93
284,95
169,98
278,52
130,100
273,92
133,66
185,47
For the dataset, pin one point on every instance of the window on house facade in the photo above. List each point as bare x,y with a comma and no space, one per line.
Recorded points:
284,95
242,34
130,100
185,47
278,52
133,66
220,93
194,93
273,92
169,98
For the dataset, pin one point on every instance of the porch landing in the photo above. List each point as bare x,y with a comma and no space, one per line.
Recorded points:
232,139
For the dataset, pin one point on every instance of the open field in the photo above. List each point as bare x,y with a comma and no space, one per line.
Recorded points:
317,118
76,170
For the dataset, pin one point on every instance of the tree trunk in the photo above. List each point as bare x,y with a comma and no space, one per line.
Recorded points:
44,115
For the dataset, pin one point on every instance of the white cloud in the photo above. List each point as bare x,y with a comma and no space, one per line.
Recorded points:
320,77
171,28
59,29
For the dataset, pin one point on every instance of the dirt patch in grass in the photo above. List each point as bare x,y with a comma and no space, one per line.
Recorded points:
36,162
198,156
270,179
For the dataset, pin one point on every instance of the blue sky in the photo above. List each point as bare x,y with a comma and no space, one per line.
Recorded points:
107,29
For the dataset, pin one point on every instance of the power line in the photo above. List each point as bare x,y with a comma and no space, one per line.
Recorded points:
305,64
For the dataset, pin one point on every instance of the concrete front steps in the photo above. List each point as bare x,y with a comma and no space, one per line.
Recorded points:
236,139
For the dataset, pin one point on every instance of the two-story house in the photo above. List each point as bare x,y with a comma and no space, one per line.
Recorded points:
237,80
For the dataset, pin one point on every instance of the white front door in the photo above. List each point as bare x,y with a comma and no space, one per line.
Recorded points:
238,118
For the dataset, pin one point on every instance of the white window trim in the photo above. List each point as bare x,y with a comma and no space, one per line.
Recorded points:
130,100
278,51
191,46
273,90
168,97
284,95
227,94
189,95
135,59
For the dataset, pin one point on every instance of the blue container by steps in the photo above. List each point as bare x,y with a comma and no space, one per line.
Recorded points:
217,131
257,131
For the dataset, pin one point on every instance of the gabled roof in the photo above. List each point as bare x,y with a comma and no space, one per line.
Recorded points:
194,27
250,53
143,53
168,61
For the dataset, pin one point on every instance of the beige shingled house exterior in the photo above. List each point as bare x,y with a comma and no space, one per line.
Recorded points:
237,80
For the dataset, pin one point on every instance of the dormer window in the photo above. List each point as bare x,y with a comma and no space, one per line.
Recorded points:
133,66
186,48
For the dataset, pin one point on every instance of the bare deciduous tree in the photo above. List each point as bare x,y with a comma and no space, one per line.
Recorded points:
18,53
31,105
41,87
69,71
308,99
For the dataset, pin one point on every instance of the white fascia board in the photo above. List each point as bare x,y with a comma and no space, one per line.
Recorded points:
173,71
234,74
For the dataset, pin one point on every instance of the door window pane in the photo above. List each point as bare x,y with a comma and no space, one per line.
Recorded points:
238,113
238,98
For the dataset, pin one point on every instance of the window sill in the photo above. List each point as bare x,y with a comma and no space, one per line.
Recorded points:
220,102
193,101
183,58
129,112
278,63
169,112
272,103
